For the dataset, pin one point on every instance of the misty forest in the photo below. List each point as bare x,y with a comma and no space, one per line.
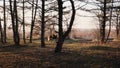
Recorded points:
59,33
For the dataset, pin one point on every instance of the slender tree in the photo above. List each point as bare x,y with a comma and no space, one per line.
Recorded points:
101,12
43,24
16,24
4,9
24,22
1,32
103,24
34,11
117,23
32,22
110,21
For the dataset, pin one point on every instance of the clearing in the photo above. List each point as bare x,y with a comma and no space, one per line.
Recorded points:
74,55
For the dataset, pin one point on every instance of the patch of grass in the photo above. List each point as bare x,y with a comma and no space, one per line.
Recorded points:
74,55
106,48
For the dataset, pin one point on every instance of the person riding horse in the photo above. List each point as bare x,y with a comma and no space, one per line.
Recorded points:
53,36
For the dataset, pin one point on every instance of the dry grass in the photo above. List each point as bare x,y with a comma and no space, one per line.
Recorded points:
74,55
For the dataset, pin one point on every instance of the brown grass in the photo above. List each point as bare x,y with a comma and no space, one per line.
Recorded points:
74,55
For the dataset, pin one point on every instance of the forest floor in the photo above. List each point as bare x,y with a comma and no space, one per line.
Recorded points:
74,55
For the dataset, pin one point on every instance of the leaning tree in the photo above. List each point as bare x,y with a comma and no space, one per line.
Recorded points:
63,34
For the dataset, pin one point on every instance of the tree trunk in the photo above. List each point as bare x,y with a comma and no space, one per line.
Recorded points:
24,23
62,35
72,19
4,21
110,22
14,19
17,41
117,27
59,45
32,23
33,19
1,32
43,24
103,25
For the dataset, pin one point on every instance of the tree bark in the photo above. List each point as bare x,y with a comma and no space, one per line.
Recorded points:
110,22
24,39
14,19
62,35
33,19
5,37
103,25
117,26
32,23
43,24
1,32
17,41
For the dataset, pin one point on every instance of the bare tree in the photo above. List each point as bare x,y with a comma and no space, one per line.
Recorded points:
43,24
103,24
14,19
103,15
32,22
62,35
110,21
1,32
4,9
24,22
34,11
117,23
16,24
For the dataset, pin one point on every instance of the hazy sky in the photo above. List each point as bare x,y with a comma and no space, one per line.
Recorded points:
82,22
85,22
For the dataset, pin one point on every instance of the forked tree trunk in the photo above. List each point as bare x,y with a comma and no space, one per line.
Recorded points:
63,35
14,19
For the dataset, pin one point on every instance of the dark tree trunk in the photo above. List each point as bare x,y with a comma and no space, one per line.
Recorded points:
43,24
62,35
110,22
5,37
24,23
117,26
103,25
34,11
59,45
32,23
14,20
1,32
72,19
17,41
